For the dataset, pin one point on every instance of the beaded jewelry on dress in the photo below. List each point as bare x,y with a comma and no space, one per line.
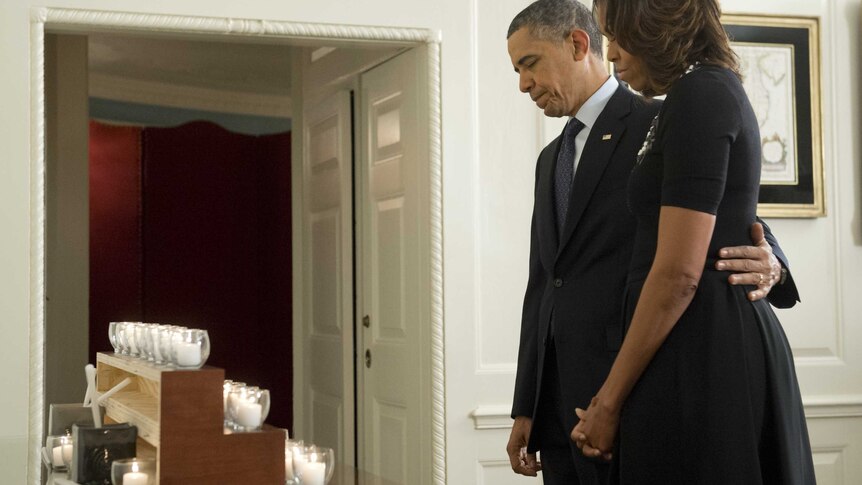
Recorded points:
648,141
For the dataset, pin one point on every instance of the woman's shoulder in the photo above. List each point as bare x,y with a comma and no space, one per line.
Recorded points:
709,77
708,95
706,84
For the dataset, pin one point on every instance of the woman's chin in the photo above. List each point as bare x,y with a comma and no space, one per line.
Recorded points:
636,85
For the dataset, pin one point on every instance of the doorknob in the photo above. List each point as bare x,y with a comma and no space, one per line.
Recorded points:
368,358
366,321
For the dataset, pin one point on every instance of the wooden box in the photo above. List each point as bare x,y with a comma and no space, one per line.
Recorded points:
180,417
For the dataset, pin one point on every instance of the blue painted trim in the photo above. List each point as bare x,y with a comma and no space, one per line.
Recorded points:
164,116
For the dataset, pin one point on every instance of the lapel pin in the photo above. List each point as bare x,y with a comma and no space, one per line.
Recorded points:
606,137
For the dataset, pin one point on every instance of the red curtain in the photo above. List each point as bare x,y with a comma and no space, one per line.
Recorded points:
115,230
215,248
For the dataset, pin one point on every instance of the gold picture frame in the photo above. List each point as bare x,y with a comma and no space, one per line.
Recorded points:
780,60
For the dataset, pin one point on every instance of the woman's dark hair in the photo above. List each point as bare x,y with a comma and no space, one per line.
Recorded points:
668,36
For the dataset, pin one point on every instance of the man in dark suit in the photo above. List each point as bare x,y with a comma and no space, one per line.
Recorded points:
581,237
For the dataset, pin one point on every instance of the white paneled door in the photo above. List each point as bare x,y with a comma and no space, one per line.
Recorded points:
326,385
393,406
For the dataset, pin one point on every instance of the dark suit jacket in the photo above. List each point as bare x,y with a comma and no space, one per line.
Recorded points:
579,277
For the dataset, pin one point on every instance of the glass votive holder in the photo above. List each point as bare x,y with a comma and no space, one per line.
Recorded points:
146,344
226,387
171,335
154,347
59,450
141,340
133,471
152,342
122,335
229,386
225,392
291,446
68,451
134,337
235,396
112,336
248,408
314,465
163,342
191,349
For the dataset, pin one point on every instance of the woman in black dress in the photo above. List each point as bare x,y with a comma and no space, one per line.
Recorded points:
703,390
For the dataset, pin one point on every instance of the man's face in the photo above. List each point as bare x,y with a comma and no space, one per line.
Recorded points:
548,71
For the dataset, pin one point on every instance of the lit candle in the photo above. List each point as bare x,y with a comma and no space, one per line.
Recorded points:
249,414
57,456
67,453
136,478
188,354
313,473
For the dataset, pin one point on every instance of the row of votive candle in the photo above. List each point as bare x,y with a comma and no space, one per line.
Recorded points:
308,465
245,407
170,345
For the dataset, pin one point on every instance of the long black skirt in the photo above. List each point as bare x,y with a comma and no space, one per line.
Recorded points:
719,403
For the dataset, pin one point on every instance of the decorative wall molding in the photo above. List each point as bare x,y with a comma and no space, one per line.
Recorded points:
492,417
92,21
438,356
839,406
490,471
188,97
37,253
829,464
500,369
829,156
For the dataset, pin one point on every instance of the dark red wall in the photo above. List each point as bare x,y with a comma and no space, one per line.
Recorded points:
115,230
215,248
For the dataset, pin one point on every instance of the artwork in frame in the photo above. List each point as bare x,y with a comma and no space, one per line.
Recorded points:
780,63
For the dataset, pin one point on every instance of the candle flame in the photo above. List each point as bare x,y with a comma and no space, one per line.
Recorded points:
135,467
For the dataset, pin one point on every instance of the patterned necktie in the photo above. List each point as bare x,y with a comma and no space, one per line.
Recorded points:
565,170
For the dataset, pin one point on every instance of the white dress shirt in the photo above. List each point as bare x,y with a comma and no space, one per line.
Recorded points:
589,113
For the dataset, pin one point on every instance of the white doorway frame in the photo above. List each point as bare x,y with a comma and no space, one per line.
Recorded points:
58,20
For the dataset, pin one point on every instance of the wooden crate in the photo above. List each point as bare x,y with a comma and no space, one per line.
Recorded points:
180,415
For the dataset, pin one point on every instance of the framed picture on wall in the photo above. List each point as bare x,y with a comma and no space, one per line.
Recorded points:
780,62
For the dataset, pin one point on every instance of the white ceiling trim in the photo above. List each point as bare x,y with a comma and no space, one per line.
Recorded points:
188,97
74,20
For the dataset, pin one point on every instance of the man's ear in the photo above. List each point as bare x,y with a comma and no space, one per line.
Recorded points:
580,43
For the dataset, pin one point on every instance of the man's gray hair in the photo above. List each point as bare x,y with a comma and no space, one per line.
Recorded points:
555,19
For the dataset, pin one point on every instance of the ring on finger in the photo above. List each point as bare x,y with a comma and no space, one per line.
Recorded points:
760,280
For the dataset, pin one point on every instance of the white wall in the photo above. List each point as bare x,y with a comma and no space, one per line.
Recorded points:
491,135
826,253
67,294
